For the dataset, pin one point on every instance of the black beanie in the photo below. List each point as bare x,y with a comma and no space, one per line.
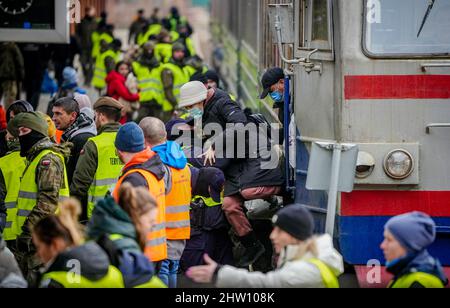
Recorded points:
296,220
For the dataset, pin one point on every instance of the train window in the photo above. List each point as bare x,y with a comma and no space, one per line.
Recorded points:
405,28
317,14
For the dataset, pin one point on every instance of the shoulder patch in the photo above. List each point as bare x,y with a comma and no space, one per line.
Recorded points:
46,162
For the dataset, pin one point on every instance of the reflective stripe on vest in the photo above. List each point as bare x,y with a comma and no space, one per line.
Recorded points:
156,248
28,192
100,73
108,171
150,84
12,167
329,279
180,78
427,280
178,224
69,280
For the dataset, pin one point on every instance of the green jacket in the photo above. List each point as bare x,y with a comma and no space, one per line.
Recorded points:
49,179
109,218
87,167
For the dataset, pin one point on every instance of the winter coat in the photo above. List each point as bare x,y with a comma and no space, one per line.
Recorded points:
108,219
78,134
12,63
10,274
291,272
117,88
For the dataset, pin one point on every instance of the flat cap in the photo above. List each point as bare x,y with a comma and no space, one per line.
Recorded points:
108,102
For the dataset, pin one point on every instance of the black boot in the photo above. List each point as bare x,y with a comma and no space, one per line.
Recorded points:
253,250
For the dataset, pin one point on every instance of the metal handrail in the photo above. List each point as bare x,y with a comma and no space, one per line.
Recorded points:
433,125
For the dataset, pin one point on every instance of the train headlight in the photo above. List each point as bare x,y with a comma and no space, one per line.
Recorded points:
365,165
399,164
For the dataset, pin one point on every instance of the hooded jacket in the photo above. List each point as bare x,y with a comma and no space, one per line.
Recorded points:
291,272
94,263
10,274
117,88
148,161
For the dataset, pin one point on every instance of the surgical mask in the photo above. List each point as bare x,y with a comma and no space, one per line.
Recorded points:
276,96
196,113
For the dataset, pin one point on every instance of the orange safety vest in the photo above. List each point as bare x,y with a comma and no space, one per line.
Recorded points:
156,248
178,200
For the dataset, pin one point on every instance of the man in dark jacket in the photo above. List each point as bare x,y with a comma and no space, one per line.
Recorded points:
12,72
247,178
77,126
84,32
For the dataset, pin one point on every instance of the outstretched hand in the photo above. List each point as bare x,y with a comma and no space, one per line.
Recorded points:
203,273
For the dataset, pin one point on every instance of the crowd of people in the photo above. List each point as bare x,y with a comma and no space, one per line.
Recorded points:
133,187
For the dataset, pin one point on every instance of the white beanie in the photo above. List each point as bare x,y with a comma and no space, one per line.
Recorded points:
192,93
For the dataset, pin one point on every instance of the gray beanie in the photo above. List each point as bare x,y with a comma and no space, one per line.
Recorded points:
415,231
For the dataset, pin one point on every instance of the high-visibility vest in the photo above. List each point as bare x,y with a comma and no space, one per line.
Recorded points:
209,202
153,30
163,52
97,38
154,283
174,35
150,85
180,78
28,191
100,73
174,22
108,170
73,280
156,247
329,279
427,280
178,200
12,167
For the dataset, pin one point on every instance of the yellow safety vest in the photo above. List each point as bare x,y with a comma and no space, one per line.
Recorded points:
174,35
329,279
190,70
12,167
108,170
150,85
427,280
180,78
97,38
163,52
100,74
112,280
154,29
174,23
28,192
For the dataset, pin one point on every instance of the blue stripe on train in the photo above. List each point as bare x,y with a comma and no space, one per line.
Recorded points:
360,239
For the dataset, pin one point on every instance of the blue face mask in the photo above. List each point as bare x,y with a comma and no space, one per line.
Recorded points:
276,96
196,113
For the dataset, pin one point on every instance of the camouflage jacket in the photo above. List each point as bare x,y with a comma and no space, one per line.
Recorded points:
49,180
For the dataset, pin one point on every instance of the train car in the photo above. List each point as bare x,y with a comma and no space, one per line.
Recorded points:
380,78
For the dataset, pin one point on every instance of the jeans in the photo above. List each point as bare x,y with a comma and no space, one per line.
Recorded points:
168,273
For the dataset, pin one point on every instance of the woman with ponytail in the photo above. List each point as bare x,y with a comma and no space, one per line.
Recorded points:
68,262
121,229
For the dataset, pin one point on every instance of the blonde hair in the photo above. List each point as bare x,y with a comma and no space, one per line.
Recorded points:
137,202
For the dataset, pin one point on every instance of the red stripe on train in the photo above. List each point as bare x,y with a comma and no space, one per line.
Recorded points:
392,203
397,87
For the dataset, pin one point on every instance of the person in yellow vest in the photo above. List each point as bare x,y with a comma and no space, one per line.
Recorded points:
175,20
143,168
174,75
105,63
306,261
12,167
406,239
148,73
163,48
98,167
149,33
121,230
43,184
184,37
69,262
102,36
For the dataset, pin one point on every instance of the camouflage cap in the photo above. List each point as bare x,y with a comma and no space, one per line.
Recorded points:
108,102
31,120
